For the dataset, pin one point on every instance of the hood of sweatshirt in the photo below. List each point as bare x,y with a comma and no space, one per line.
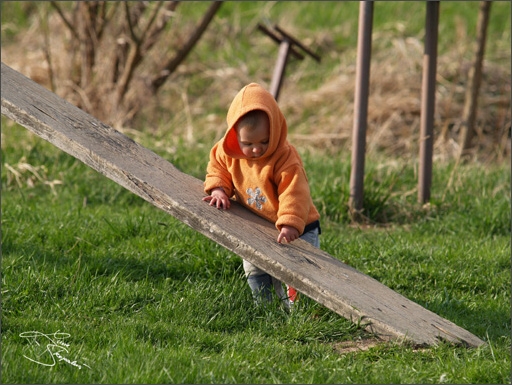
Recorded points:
254,97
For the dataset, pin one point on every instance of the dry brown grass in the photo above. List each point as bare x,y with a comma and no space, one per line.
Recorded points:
356,346
23,174
394,106
320,117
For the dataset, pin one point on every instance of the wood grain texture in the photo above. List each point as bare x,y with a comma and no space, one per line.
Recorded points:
311,271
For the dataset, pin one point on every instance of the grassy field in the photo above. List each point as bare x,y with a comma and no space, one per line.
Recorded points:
142,298
98,286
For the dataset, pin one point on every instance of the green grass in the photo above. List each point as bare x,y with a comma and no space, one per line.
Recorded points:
142,298
145,299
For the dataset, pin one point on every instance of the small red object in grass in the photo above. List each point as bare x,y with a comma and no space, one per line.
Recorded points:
292,294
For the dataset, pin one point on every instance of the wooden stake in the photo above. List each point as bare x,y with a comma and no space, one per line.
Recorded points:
474,80
364,47
428,101
286,47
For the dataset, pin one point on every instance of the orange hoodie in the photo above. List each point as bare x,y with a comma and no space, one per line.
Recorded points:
275,185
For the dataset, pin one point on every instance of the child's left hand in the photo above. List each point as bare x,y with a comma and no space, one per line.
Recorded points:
218,198
288,234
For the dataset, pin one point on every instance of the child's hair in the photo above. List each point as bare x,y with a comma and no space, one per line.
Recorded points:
251,119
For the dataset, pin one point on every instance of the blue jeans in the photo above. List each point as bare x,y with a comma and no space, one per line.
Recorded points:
261,283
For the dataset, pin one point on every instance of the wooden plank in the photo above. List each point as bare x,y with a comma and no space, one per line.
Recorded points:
313,272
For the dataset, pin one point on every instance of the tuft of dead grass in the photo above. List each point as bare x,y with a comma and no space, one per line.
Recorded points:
356,346
23,174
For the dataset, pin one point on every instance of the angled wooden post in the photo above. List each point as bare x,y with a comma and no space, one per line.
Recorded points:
474,80
286,47
364,47
312,271
428,99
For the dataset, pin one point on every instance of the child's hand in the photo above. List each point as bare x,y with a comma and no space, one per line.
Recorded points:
218,198
288,234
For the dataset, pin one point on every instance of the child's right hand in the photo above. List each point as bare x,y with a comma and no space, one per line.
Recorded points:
288,234
218,198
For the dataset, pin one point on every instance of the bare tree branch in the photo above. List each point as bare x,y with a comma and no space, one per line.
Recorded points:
46,47
106,17
64,19
152,19
136,12
132,61
138,47
133,36
111,13
172,64
136,28
152,36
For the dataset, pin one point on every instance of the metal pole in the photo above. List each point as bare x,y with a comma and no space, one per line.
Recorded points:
364,45
428,101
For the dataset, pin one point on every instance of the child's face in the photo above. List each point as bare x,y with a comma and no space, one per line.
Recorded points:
253,141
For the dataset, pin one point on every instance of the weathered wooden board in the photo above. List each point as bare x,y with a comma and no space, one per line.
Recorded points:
313,272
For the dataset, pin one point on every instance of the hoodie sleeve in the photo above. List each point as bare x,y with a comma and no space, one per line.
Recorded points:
294,198
217,174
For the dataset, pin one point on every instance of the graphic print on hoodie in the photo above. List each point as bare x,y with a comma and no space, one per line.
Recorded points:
275,185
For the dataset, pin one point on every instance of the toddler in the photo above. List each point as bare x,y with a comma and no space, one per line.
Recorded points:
256,165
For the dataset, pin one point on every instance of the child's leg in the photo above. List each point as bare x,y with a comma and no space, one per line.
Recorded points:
278,287
312,238
261,284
